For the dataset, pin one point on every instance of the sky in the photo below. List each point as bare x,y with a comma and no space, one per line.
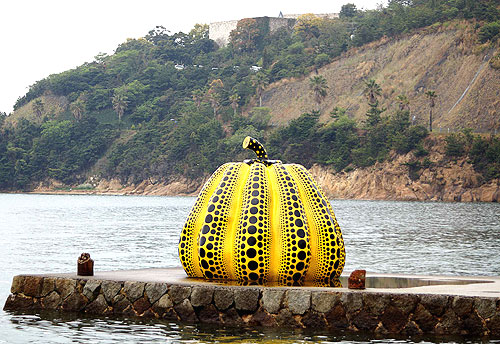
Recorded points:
39,38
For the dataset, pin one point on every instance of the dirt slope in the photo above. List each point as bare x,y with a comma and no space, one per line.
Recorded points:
445,58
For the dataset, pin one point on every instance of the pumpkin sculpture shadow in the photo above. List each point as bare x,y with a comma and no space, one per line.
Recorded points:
262,221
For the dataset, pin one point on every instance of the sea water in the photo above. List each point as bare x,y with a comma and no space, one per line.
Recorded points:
47,233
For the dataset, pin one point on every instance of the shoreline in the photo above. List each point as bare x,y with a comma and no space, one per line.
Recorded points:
389,181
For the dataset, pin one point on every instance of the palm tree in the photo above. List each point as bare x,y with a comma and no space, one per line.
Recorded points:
372,90
120,103
260,81
77,108
197,96
318,86
38,108
213,94
235,98
404,103
432,96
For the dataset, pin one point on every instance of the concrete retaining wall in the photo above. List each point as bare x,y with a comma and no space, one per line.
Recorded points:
335,309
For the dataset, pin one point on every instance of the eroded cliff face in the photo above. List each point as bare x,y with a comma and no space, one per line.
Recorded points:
443,180
447,59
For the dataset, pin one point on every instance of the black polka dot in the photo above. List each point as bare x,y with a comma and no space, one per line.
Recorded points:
251,253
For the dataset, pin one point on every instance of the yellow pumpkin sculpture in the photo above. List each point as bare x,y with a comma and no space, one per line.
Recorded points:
262,221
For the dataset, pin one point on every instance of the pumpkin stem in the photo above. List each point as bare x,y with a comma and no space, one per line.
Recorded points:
256,146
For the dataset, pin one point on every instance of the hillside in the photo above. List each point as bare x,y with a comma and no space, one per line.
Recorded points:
445,58
339,96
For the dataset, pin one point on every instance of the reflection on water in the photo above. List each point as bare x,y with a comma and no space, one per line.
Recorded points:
47,233
72,328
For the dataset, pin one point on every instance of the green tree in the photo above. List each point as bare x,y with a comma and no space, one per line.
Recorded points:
348,11
38,108
197,96
337,112
77,108
404,102
120,104
214,94
307,27
318,86
235,98
372,91
246,35
199,32
431,95
260,82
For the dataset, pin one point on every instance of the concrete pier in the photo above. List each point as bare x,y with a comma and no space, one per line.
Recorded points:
391,304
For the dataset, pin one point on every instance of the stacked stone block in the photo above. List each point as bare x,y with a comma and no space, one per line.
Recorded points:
332,309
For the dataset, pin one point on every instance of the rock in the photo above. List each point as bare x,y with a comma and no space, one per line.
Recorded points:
313,319
163,304
337,318
323,301
51,301
462,305
435,304
170,315
223,298
473,325
404,302
48,286
494,325
201,296
91,289
357,279
185,311
424,319
17,285
74,302
209,314
298,300
110,289
411,329
272,299
33,286
231,317
486,307
393,319
120,304
285,318
141,305
134,290
18,302
448,324
65,287
352,302
376,303
365,321
246,299
179,293
155,291
98,306
262,318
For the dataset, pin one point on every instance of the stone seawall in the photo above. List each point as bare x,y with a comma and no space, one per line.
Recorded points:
403,311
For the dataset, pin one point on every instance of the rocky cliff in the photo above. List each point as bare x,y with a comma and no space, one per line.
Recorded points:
442,180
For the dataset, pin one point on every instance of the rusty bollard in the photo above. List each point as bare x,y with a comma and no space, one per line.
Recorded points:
357,279
85,265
